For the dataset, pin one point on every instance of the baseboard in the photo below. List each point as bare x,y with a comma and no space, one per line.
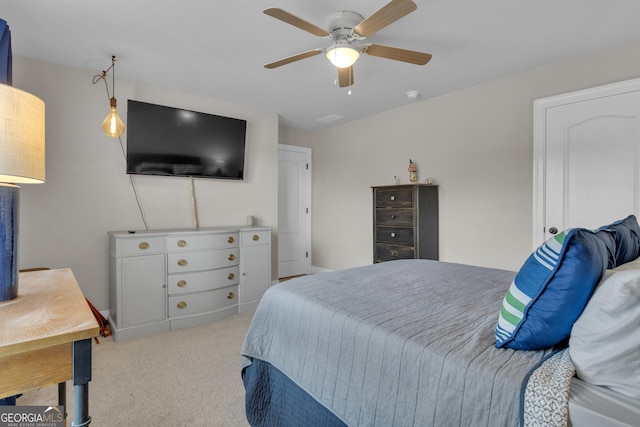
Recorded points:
315,269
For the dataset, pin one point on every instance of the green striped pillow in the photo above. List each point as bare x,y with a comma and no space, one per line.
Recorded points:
552,288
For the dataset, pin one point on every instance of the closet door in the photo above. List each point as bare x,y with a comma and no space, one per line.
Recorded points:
294,210
586,158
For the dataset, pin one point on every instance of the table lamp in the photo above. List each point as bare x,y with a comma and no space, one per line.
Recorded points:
22,159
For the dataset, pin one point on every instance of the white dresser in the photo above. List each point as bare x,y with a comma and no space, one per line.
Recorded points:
169,279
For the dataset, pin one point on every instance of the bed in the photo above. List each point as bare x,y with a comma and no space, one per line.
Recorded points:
415,343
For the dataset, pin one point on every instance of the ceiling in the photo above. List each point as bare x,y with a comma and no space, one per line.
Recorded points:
217,49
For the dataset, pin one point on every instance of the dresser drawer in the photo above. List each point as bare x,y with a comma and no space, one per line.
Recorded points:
255,237
397,235
141,246
199,302
191,242
387,252
394,197
202,260
199,281
394,216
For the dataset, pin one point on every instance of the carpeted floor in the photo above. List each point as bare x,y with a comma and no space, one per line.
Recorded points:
185,377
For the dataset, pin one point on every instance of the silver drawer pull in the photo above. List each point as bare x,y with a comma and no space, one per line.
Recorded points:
393,234
393,197
393,217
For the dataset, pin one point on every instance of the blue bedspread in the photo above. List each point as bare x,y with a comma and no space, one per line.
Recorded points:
403,343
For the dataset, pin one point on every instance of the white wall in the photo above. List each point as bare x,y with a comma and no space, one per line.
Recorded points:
64,222
476,143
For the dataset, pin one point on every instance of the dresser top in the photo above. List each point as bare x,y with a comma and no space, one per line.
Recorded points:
170,231
417,184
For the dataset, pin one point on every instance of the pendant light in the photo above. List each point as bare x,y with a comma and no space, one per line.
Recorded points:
112,124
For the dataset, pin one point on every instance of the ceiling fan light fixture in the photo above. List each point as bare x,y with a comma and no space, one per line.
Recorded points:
343,55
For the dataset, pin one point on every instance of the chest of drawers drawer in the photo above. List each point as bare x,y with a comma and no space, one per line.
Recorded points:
256,237
144,245
202,260
199,302
394,216
202,242
389,252
183,282
397,235
394,197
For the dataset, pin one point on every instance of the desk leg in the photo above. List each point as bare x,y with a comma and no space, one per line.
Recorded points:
62,398
81,378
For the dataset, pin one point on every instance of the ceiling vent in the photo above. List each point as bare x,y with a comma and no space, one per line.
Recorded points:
330,118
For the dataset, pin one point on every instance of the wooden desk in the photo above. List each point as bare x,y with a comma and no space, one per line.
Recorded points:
45,338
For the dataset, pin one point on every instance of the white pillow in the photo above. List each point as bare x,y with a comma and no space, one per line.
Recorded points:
605,340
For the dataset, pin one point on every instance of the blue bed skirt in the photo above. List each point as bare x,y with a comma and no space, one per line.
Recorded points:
272,399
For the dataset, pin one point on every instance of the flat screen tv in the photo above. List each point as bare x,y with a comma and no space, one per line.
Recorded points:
170,141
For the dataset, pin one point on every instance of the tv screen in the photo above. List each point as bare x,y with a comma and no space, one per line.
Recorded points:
170,141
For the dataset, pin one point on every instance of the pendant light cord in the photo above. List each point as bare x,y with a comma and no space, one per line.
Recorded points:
135,190
102,76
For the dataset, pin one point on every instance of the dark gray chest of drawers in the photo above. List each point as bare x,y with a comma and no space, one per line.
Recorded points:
405,222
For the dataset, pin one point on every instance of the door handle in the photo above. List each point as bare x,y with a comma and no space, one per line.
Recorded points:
553,230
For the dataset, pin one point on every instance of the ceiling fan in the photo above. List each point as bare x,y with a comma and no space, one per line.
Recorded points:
347,29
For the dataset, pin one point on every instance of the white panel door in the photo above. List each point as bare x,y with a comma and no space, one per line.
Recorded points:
587,158
294,211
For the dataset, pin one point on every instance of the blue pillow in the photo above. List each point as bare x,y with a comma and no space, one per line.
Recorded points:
552,288
627,235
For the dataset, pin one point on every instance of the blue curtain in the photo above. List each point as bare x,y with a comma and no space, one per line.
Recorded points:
5,53
5,77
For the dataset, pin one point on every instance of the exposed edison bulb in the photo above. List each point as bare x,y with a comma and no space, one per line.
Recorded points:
113,125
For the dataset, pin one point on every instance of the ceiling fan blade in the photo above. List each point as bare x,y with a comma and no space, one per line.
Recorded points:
386,15
293,58
296,22
345,76
411,56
